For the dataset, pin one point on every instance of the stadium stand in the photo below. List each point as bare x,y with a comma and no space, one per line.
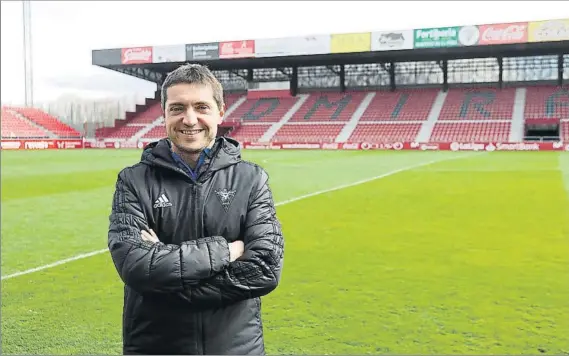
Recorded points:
459,93
478,104
546,102
479,114
21,122
263,110
297,132
382,133
404,105
15,126
471,131
467,114
250,132
564,131
328,107
48,122
136,123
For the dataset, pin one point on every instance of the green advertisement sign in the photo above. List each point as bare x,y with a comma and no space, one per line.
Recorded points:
436,37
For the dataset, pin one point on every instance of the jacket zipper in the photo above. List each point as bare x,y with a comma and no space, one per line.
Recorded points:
194,199
195,202
196,231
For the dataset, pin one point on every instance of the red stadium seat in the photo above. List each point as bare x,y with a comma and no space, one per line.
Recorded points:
17,127
471,132
478,104
267,110
405,105
383,133
249,132
49,122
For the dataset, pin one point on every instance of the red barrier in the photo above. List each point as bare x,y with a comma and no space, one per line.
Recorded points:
56,144
417,146
60,144
47,144
114,144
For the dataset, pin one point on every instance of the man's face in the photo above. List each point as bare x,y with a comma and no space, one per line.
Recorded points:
191,115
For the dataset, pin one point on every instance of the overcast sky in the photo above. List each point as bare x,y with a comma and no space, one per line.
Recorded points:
65,32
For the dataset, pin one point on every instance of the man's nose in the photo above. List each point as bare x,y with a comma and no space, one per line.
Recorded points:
191,117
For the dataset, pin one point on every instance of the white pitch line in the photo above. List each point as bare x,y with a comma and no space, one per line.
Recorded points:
60,262
284,202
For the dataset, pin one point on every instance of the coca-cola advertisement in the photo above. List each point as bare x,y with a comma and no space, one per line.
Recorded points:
136,55
504,33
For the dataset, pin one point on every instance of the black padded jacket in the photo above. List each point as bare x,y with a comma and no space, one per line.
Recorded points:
182,295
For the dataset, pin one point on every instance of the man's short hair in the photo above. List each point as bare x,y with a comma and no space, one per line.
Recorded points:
193,74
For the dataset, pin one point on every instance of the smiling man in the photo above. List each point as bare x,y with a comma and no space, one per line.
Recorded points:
193,233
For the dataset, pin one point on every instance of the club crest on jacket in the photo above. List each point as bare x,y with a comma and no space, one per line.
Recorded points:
225,197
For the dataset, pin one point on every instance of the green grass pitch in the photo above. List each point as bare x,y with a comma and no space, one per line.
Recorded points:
466,255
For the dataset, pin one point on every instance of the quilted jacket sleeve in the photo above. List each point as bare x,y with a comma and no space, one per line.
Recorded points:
258,271
159,267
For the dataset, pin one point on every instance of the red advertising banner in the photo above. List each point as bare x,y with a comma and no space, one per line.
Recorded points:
56,144
237,49
102,144
136,55
504,146
113,144
504,33
47,144
417,146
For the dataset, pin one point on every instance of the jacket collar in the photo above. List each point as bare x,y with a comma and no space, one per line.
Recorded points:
224,153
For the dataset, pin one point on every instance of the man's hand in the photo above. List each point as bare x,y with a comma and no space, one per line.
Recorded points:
149,236
236,250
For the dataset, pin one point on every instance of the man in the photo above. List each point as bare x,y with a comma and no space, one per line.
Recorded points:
193,233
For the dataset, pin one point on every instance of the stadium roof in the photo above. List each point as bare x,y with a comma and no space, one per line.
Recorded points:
453,42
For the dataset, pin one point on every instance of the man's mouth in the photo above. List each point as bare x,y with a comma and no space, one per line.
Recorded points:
191,132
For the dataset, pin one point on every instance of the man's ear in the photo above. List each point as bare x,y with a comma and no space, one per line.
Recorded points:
221,114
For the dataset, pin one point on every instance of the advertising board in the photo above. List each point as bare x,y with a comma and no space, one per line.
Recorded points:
391,40
202,51
293,46
136,55
551,30
503,33
350,42
104,57
416,146
237,49
174,53
35,144
439,37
